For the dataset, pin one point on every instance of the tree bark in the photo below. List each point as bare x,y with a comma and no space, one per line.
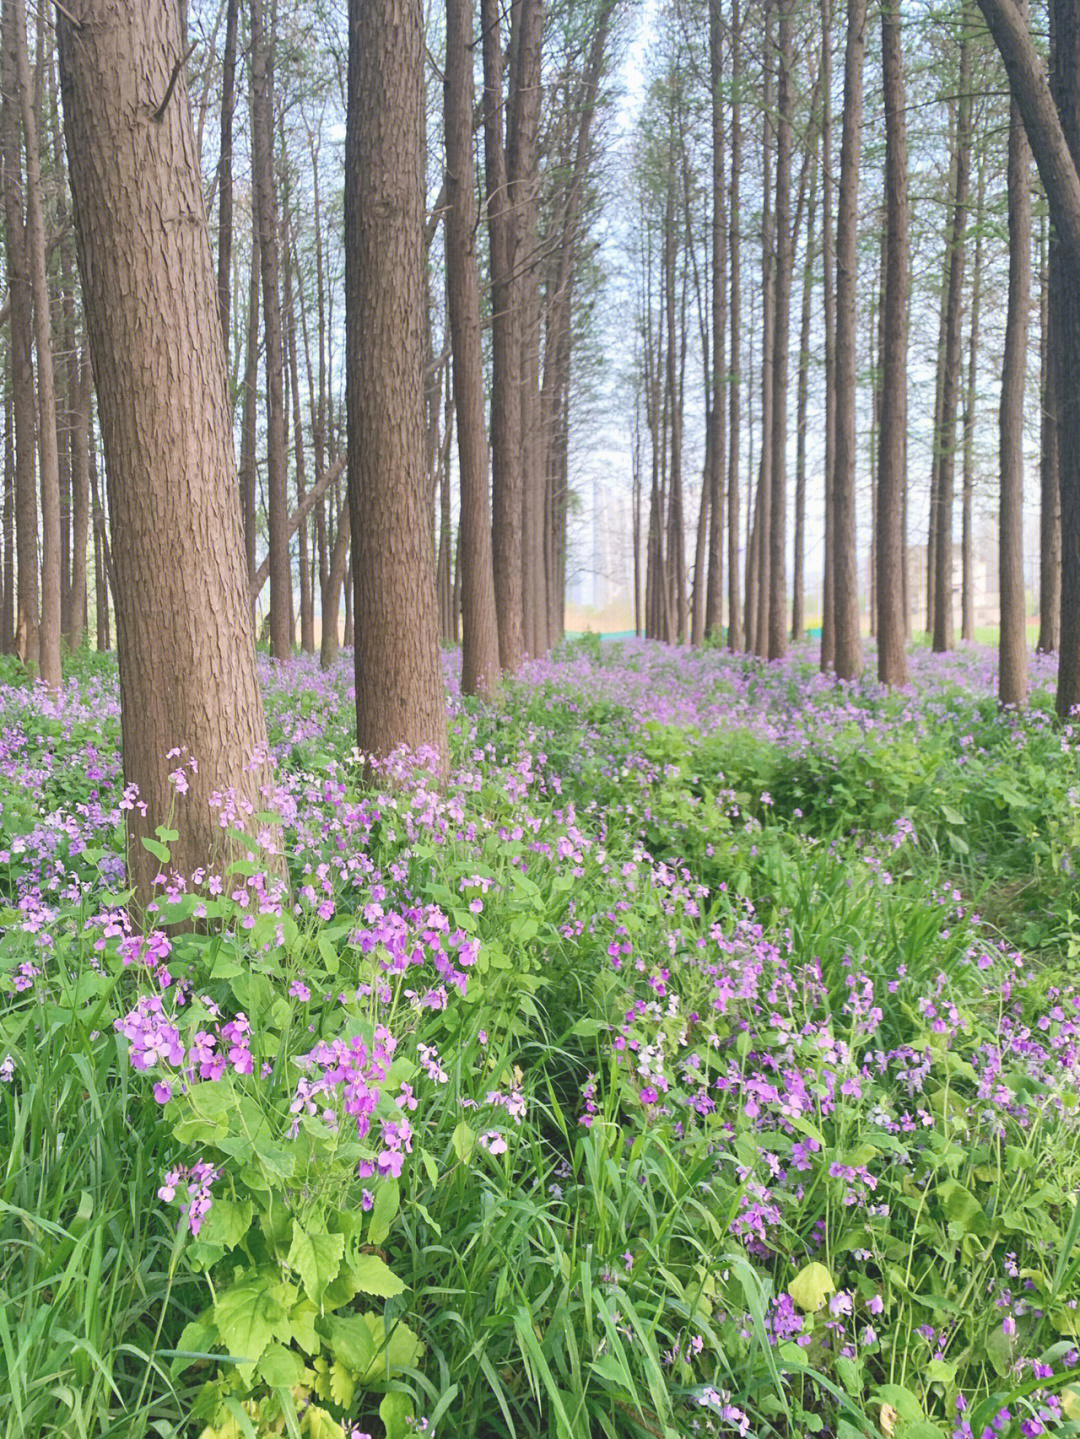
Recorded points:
1012,659
225,171
798,602
785,258
80,494
480,638
277,506
828,253
716,442
967,537
399,685
944,631
48,449
1050,490
506,356
187,664
736,637
763,503
848,642
892,461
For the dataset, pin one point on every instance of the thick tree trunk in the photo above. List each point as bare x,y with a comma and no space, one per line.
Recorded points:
400,697
848,647
892,461
225,172
480,638
277,500
48,449
187,664
944,631
248,418
1013,649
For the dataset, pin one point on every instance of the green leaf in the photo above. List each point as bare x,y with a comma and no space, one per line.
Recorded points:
464,1142
245,1316
352,1341
316,1256
227,1223
342,1385
157,849
962,1207
903,1401
811,1286
318,1424
281,1367
384,1211
939,1371
372,1276
395,1411
302,1324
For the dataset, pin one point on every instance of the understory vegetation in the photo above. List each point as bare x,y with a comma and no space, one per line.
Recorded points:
700,1056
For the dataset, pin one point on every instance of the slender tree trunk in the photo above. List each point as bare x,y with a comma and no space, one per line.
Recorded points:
80,494
943,638
1050,492
763,505
785,259
480,646
506,356
307,592
187,668
1013,646
7,615
798,604
967,537
736,637
48,448
27,639
828,252
262,128
716,440
249,422
336,580
399,684
892,461
848,656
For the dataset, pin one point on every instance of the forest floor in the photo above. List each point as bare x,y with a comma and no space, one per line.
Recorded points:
700,1057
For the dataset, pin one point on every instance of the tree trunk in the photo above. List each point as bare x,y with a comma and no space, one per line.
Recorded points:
967,537
277,505
187,664
80,494
1013,646
798,603
225,171
736,637
763,504
48,449
27,641
248,418
480,638
828,592
336,579
7,605
944,635
848,642
399,685
1050,491
506,356
892,461
785,258
716,406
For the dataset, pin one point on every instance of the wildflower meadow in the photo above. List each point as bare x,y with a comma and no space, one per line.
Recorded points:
700,1056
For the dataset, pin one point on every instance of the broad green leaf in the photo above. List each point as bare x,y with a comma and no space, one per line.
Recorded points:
811,1287
245,1316
352,1341
157,849
302,1324
903,1401
384,1212
316,1257
395,1411
227,1223
464,1141
281,1367
372,1276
